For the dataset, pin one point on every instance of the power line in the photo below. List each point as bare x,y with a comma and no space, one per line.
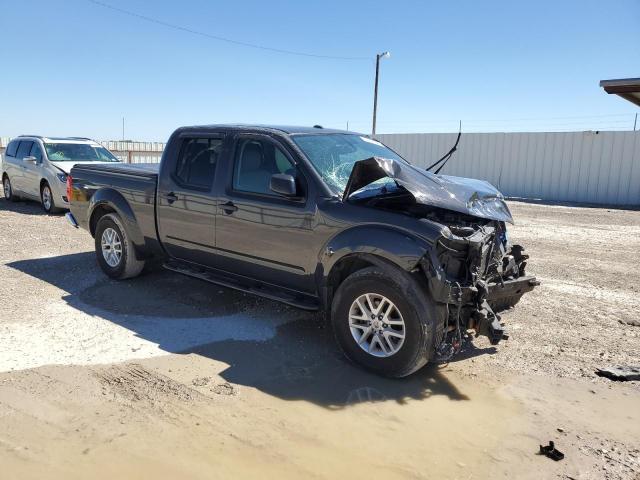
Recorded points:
221,39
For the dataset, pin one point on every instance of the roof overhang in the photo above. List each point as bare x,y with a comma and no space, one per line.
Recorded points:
627,88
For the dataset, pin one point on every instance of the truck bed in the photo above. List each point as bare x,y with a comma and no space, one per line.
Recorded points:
130,189
149,170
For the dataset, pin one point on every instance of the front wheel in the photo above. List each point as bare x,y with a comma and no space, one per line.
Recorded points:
46,198
114,249
385,321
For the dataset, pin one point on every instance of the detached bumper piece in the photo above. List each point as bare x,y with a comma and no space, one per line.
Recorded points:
551,451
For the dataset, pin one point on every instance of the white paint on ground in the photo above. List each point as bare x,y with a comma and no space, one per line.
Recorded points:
67,336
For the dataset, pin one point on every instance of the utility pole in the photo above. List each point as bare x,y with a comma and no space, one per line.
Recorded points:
635,122
123,129
375,89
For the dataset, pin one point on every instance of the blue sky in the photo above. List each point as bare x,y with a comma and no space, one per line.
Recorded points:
76,68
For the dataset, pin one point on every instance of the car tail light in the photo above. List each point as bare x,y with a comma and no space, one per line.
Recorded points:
69,187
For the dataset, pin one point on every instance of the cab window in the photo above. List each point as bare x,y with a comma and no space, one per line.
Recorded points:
197,162
256,161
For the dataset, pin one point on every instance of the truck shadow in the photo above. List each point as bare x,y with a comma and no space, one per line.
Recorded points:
279,350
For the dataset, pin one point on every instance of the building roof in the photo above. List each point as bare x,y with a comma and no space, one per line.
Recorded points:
627,88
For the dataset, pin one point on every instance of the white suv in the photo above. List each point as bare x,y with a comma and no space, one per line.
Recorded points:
37,167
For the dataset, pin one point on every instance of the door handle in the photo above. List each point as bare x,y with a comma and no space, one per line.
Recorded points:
228,207
171,197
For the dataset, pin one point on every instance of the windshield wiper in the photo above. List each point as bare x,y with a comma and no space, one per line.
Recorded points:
447,155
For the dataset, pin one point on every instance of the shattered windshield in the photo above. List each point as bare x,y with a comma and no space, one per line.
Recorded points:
334,154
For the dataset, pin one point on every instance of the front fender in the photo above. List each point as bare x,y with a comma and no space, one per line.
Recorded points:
112,199
394,245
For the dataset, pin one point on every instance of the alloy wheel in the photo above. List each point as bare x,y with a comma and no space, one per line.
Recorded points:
111,247
46,197
376,325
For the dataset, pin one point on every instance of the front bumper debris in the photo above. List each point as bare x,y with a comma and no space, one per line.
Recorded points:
473,286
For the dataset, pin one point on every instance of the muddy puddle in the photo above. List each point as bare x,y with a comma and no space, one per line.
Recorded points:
292,407
168,419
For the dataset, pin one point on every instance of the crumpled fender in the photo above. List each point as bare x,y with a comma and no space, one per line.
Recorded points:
114,199
394,245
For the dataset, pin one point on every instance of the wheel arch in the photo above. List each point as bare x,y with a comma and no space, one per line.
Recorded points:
108,200
362,247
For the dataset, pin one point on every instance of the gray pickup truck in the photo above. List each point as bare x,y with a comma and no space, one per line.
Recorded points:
404,262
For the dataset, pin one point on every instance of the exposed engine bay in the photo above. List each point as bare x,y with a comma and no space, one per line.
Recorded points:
472,271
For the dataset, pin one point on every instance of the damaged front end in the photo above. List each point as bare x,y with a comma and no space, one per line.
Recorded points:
475,273
472,270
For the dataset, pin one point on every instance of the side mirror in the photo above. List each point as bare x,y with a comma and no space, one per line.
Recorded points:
283,184
29,159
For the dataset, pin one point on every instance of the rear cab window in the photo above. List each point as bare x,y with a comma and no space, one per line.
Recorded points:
197,161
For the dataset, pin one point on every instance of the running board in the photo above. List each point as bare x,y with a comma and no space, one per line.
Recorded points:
238,282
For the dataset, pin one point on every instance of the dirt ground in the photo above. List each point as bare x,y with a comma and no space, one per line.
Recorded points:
169,377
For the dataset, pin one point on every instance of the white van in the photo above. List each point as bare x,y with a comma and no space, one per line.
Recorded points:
36,167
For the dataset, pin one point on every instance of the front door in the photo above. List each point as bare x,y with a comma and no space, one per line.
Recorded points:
186,206
32,172
260,234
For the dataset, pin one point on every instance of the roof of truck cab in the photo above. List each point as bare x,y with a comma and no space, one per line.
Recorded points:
288,129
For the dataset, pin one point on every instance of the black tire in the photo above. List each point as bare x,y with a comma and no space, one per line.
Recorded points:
127,265
50,206
423,322
7,183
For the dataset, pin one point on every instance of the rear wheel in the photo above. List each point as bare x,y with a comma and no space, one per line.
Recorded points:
114,249
385,321
8,189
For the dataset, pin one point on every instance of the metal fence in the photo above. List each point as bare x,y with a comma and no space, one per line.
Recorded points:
588,167
136,152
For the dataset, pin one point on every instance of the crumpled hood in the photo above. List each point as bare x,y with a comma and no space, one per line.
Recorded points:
67,166
465,195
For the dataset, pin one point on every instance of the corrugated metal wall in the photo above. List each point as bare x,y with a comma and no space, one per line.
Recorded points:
590,167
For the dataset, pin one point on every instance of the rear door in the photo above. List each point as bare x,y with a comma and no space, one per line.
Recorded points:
260,234
24,150
186,207
12,166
